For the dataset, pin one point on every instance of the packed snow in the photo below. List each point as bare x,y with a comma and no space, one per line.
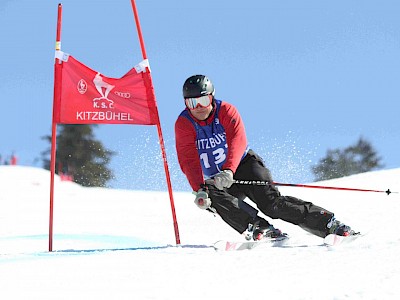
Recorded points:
120,244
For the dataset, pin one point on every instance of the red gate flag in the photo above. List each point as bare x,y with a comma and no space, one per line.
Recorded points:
88,97
84,96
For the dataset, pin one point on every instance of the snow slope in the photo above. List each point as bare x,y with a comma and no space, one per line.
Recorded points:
119,244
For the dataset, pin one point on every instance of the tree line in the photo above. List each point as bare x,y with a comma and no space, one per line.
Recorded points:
80,156
85,160
357,158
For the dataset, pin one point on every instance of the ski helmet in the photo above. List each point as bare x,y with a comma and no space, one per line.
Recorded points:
196,86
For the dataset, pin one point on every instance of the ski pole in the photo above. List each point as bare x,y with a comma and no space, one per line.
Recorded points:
260,182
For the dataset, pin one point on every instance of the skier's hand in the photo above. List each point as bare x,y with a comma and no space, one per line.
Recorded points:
223,179
202,200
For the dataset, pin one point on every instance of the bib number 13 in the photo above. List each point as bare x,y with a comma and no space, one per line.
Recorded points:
218,157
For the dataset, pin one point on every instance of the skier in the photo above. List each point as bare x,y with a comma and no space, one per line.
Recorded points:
212,149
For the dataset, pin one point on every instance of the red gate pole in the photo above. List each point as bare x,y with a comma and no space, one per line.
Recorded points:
160,136
56,110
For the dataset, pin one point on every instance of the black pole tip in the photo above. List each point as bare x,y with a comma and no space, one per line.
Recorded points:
388,192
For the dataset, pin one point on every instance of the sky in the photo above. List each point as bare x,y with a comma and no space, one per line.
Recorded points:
104,247
306,76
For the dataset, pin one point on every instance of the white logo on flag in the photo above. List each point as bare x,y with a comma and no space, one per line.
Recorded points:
82,86
103,101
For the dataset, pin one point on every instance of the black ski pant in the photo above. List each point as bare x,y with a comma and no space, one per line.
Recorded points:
238,214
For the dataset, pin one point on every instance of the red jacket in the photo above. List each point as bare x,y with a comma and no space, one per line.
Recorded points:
185,139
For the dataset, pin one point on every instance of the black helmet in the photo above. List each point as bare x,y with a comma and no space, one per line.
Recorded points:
196,86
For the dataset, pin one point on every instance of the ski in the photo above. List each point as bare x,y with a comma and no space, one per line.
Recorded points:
248,245
334,240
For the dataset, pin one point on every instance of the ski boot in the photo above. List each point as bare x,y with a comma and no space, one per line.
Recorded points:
256,232
336,227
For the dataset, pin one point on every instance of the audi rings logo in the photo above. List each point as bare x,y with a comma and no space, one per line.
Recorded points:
122,95
82,86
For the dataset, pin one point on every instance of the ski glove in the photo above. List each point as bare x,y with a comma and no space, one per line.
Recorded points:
223,179
202,200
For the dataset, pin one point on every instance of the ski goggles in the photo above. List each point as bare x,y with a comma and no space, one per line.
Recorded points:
203,101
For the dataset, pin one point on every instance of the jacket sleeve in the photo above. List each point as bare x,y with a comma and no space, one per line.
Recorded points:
188,157
235,135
